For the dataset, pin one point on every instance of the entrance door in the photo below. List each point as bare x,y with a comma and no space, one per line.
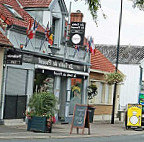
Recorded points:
15,97
62,99
15,107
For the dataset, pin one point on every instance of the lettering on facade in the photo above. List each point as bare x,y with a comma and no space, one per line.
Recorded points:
14,57
58,64
65,74
27,58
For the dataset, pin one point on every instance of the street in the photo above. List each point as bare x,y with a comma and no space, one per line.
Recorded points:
133,138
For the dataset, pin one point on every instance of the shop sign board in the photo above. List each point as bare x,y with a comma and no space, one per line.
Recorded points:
77,33
80,118
60,64
65,74
141,98
14,57
134,115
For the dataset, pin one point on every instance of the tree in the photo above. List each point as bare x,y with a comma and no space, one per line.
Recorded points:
139,4
94,7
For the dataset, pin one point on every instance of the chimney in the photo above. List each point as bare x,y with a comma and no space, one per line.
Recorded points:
76,16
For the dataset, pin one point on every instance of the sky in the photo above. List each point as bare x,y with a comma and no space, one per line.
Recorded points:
132,26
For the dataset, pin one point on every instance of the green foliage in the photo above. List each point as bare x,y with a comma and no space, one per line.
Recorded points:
114,77
42,104
94,7
92,91
139,4
39,79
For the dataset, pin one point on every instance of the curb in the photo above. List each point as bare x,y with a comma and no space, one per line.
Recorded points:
17,136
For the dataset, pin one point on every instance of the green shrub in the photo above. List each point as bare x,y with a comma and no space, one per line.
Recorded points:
42,104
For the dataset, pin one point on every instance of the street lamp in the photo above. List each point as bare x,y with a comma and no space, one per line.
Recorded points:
116,68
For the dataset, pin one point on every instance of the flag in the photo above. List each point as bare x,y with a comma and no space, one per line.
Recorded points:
50,38
32,27
47,31
87,46
29,27
91,46
77,47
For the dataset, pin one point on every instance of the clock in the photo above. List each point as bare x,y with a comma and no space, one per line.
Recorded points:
76,38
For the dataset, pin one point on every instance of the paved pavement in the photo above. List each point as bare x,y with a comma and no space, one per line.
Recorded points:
98,129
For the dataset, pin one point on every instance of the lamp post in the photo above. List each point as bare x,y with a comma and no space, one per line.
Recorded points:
116,68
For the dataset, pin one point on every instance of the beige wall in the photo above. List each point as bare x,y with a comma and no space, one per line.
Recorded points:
1,69
103,108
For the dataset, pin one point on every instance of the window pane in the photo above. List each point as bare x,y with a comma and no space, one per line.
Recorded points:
44,83
75,96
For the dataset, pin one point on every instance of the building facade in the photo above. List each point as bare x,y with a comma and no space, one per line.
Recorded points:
103,100
4,43
39,66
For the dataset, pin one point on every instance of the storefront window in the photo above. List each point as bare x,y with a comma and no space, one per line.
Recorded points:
43,83
75,96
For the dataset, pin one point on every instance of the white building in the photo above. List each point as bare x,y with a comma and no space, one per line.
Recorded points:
129,64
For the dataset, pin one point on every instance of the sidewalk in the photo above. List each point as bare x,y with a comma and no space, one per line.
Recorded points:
63,131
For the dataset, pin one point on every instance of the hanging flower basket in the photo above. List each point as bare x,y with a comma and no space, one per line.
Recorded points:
114,77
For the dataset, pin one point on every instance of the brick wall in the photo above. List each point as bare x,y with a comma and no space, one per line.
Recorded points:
76,17
96,76
102,109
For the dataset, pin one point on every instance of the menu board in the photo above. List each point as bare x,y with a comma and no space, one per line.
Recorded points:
80,118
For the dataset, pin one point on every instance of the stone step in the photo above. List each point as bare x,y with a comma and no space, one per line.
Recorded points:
10,122
1,122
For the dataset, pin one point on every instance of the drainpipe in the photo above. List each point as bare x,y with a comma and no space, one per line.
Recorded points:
3,91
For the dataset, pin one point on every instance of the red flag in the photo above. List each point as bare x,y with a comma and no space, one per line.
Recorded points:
31,29
47,31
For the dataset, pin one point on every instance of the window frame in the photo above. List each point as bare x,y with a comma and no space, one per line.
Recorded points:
13,11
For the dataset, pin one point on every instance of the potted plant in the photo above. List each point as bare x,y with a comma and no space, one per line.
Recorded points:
114,77
92,91
42,108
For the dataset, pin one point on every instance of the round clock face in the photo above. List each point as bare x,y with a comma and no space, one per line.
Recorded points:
76,38
134,120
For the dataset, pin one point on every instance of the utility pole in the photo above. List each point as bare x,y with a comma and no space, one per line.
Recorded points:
116,69
66,41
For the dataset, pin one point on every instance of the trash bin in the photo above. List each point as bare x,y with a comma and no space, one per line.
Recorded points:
91,113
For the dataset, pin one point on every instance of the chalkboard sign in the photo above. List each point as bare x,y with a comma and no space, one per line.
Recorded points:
80,118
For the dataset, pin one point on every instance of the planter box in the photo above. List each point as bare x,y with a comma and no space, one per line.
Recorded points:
38,124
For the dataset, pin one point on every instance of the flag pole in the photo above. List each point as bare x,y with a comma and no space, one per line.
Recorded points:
65,48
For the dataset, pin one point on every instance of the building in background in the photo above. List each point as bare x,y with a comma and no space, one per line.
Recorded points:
130,63
102,101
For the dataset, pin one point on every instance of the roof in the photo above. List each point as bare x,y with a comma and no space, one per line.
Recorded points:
13,20
4,40
127,54
43,4
101,63
35,3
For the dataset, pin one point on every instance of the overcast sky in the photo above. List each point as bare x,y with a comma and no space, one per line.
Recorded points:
132,29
